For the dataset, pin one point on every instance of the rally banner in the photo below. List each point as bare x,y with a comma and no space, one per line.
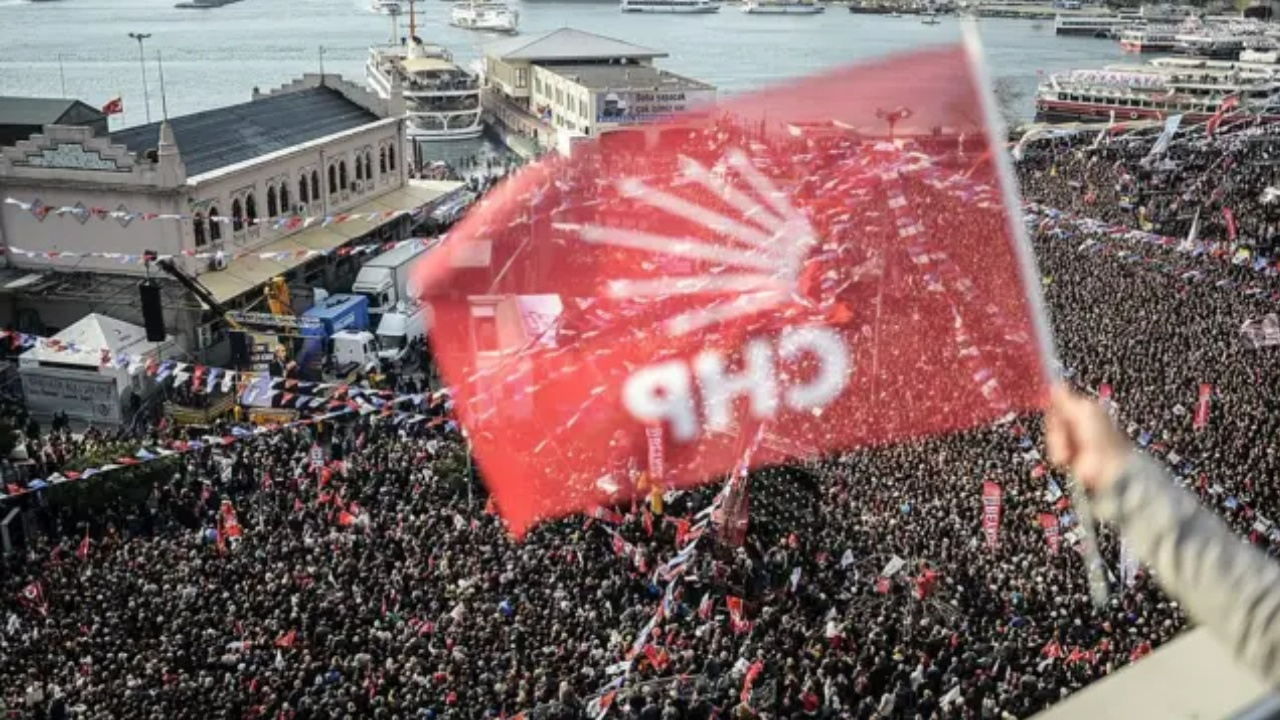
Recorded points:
1202,406
992,501
775,260
653,434
1052,531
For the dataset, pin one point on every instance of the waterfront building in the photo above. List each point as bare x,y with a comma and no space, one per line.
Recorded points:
283,185
569,84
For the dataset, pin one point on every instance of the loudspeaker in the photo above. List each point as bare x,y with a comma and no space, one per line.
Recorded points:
152,310
239,349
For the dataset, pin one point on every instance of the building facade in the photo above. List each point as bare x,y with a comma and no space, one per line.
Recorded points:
277,186
568,84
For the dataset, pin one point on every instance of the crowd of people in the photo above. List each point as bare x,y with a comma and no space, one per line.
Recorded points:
261,579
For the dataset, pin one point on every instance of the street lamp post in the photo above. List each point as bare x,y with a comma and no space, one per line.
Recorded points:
142,58
893,117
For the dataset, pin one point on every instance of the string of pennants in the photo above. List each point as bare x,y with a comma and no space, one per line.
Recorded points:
278,255
281,222
672,573
154,452
1051,220
250,386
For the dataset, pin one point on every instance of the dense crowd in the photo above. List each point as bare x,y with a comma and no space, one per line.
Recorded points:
377,583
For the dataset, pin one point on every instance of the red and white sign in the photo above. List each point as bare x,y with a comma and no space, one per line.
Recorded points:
846,290
653,434
1052,535
992,504
1202,406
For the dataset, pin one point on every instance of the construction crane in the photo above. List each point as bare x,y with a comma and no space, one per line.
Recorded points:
198,289
276,292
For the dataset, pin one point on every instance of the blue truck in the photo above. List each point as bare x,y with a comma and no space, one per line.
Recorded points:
345,314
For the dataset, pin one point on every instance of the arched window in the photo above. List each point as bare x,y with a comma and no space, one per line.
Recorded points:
315,185
368,164
342,174
215,225
382,160
359,169
284,197
273,208
333,179
251,208
197,229
391,159
237,215
302,189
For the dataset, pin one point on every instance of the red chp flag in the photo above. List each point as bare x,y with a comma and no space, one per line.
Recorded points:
775,259
992,499
1202,406
1049,522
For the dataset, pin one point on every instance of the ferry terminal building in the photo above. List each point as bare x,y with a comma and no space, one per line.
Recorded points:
277,170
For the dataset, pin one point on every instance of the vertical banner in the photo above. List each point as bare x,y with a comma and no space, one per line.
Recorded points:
1202,406
1052,535
317,457
992,497
653,433
1230,219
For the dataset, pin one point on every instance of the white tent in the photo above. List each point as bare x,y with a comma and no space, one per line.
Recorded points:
72,376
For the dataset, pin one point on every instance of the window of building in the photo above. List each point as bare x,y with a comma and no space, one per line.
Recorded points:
284,197
382,160
197,230
251,208
486,329
215,225
522,77
333,179
342,174
273,206
359,169
315,185
368,164
391,158
303,197
237,215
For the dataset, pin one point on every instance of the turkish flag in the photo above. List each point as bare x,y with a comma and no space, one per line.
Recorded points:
114,106
824,258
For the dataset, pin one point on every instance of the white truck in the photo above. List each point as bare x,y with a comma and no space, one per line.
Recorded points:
386,279
406,322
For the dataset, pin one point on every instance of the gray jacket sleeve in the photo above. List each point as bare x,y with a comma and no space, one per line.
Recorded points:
1226,585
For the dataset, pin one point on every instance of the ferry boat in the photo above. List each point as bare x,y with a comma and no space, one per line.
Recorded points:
783,7
698,7
1099,26
1218,46
1153,93
1152,38
481,15
385,7
442,101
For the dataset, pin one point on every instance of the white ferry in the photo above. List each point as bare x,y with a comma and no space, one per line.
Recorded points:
783,7
1099,26
487,16
1154,94
442,101
385,7
1152,38
699,7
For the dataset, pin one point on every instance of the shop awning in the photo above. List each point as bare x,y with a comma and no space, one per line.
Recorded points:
252,269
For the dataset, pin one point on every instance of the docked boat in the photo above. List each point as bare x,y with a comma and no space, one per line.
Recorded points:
699,7
482,15
1154,93
930,19
204,4
442,101
385,7
1153,38
1208,44
783,7
1099,26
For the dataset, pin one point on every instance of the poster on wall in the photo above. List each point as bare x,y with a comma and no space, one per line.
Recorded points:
93,399
624,107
